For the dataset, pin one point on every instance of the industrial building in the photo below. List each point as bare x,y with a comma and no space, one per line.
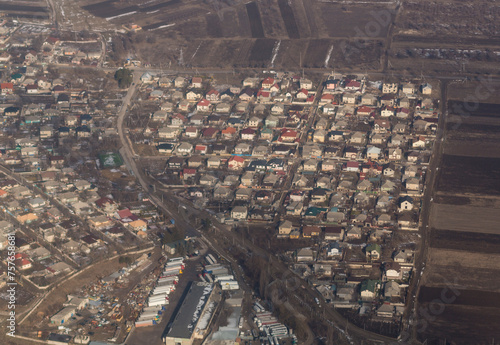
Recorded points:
183,329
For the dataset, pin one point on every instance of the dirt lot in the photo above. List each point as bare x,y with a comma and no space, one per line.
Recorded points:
56,297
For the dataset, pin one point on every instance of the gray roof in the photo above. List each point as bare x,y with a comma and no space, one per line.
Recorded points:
190,311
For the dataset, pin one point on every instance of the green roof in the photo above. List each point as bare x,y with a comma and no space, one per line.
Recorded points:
314,211
370,285
374,246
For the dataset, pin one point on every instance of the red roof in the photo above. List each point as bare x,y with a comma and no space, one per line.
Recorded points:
125,213
289,133
200,147
248,131
236,159
103,201
364,109
204,103
187,171
209,132
7,86
229,130
263,94
268,81
213,92
352,165
353,83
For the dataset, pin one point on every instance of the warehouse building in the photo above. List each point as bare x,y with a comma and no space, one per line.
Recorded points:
182,331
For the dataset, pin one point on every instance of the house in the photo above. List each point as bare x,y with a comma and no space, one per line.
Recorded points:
277,109
196,82
351,167
242,148
369,99
387,111
6,88
213,162
100,222
405,204
289,135
107,205
203,105
349,98
306,84
239,213
393,271
395,154
352,85
390,87
385,310
335,217
358,138
268,83
285,228
409,88
426,89
373,152
305,254
248,134
209,133
373,251
391,289
412,184
195,161
184,149
402,113
228,132
213,95
219,149
310,165
236,163
254,121
334,233
369,289
168,133
319,136
311,231
179,82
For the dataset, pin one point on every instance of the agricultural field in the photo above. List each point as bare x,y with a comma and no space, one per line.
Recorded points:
463,261
25,9
289,19
255,21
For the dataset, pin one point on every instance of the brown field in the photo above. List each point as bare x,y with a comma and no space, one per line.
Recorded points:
289,19
25,9
354,21
465,218
317,51
255,21
464,241
476,175
261,52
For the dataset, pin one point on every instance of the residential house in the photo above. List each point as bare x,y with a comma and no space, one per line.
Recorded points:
239,213
373,251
